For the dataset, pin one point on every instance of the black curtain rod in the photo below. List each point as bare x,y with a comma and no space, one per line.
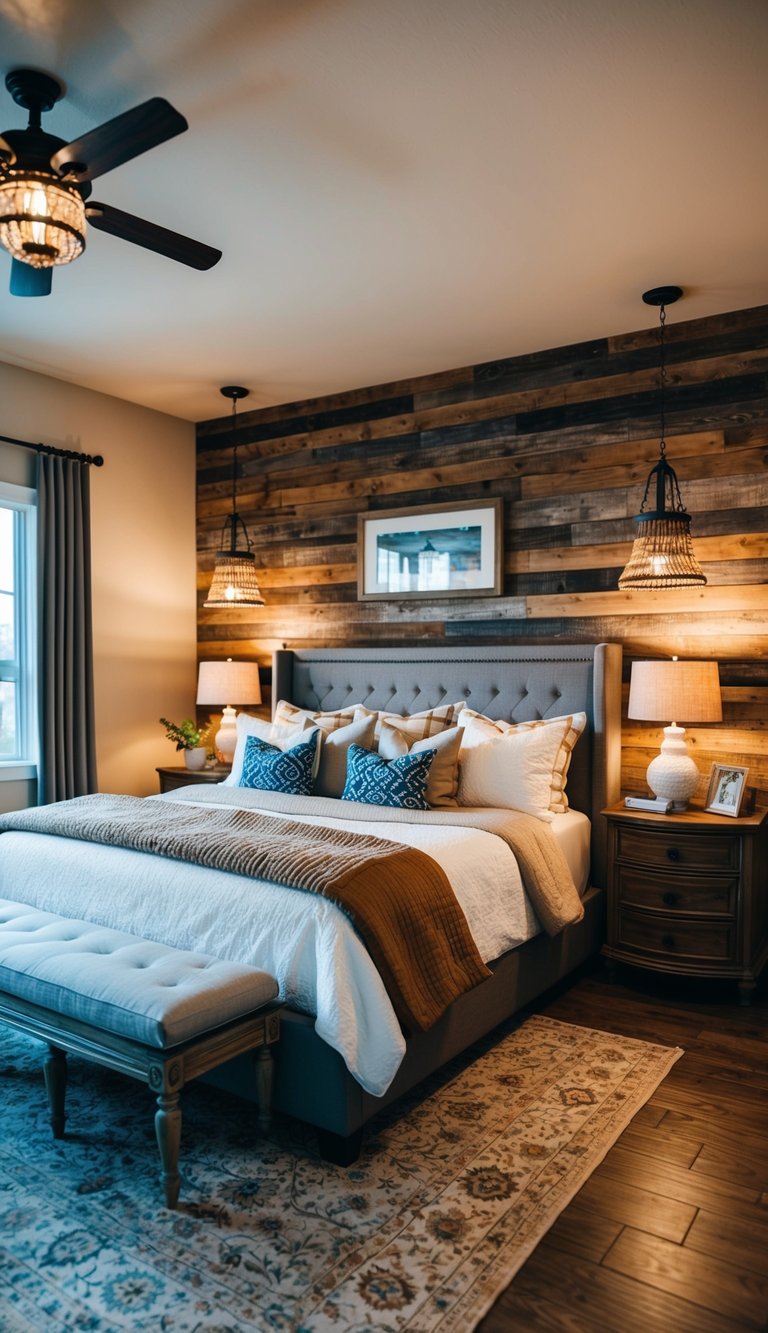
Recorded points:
95,459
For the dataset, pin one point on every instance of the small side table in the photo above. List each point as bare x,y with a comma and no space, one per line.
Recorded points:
179,776
688,893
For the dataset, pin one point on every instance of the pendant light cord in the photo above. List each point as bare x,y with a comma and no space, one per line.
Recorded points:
662,377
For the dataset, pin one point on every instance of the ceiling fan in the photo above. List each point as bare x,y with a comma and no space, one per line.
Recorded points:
45,183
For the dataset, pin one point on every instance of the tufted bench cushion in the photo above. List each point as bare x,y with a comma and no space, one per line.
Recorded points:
150,992
156,1013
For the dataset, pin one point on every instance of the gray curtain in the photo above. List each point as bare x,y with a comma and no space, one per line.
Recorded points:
65,651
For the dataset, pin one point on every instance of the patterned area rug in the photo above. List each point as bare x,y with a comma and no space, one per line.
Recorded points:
443,1207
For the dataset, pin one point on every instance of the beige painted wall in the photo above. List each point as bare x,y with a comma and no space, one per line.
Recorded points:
143,537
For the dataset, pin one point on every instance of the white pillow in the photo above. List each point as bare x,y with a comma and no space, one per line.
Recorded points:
513,770
247,725
488,728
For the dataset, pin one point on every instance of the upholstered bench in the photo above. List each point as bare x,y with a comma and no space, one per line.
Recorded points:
159,1014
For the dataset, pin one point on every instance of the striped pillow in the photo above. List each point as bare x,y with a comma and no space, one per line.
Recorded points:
417,726
290,716
488,727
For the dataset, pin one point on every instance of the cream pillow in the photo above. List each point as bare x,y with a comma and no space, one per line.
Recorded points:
443,777
512,770
559,800
332,773
247,725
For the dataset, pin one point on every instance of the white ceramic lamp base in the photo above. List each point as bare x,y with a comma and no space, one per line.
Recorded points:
673,775
225,740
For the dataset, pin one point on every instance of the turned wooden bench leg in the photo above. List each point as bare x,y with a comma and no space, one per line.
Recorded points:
168,1131
55,1072
264,1075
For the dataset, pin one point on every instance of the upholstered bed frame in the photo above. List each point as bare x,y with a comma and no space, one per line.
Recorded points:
516,684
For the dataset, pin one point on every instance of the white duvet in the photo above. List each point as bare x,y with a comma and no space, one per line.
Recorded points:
321,964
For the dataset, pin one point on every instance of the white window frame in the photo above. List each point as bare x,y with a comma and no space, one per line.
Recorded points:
22,670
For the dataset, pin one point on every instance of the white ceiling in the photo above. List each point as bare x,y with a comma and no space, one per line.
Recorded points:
398,186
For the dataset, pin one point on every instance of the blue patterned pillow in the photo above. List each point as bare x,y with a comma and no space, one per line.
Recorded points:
400,782
269,768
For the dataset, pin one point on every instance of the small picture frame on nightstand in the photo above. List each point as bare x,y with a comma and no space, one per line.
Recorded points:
725,793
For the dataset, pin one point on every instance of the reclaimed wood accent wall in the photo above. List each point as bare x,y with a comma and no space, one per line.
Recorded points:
566,437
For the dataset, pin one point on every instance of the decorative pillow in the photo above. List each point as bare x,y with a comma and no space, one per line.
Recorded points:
401,782
332,773
512,770
269,768
559,800
416,725
289,715
443,781
247,725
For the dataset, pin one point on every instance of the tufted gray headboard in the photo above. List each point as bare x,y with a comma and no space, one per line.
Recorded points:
516,684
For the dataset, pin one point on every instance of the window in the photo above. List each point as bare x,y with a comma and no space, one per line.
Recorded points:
18,742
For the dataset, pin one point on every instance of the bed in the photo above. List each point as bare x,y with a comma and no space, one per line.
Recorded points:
313,1081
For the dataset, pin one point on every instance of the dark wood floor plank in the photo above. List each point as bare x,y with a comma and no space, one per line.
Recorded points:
713,1133
638,1208
675,1182
724,1164
700,1279
580,1231
624,1304
743,1241
660,1144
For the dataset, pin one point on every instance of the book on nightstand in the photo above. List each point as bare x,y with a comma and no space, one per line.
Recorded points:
657,803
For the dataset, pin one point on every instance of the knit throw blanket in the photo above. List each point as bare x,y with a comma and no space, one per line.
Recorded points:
398,898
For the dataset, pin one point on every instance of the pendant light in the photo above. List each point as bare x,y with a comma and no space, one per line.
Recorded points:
234,576
662,553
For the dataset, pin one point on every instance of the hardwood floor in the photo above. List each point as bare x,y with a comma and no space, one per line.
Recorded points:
670,1233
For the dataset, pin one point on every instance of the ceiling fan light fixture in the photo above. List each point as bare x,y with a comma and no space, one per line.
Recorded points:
42,220
234,581
662,554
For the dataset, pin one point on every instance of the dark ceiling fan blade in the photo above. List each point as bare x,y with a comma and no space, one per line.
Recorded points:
7,154
118,140
29,281
151,237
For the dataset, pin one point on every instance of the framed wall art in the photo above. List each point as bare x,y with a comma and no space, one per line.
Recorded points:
431,551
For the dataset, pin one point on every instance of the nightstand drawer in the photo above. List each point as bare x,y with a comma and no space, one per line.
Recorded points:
676,937
675,847
696,895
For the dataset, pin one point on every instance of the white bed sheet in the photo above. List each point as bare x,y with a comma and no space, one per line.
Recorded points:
320,963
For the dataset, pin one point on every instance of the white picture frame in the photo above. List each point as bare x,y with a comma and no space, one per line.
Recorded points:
725,793
431,551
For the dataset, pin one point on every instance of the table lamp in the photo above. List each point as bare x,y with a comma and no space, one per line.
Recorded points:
660,690
220,681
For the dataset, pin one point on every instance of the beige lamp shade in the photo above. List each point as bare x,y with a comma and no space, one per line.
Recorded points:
670,690
227,683
666,691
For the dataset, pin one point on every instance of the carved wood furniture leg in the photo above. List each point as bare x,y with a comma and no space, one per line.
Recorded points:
168,1131
264,1075
55,1072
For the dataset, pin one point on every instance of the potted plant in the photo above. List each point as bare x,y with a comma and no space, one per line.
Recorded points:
190,738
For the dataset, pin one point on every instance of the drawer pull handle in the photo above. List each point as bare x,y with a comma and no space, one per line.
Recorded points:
673,853
668,941
669,899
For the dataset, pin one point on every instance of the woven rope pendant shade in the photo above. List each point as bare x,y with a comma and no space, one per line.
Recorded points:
662,555
234,581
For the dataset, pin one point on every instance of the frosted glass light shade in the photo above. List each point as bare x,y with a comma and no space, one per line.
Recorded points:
674,689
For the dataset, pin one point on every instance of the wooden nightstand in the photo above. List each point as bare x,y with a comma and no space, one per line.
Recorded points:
171,778
688,893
